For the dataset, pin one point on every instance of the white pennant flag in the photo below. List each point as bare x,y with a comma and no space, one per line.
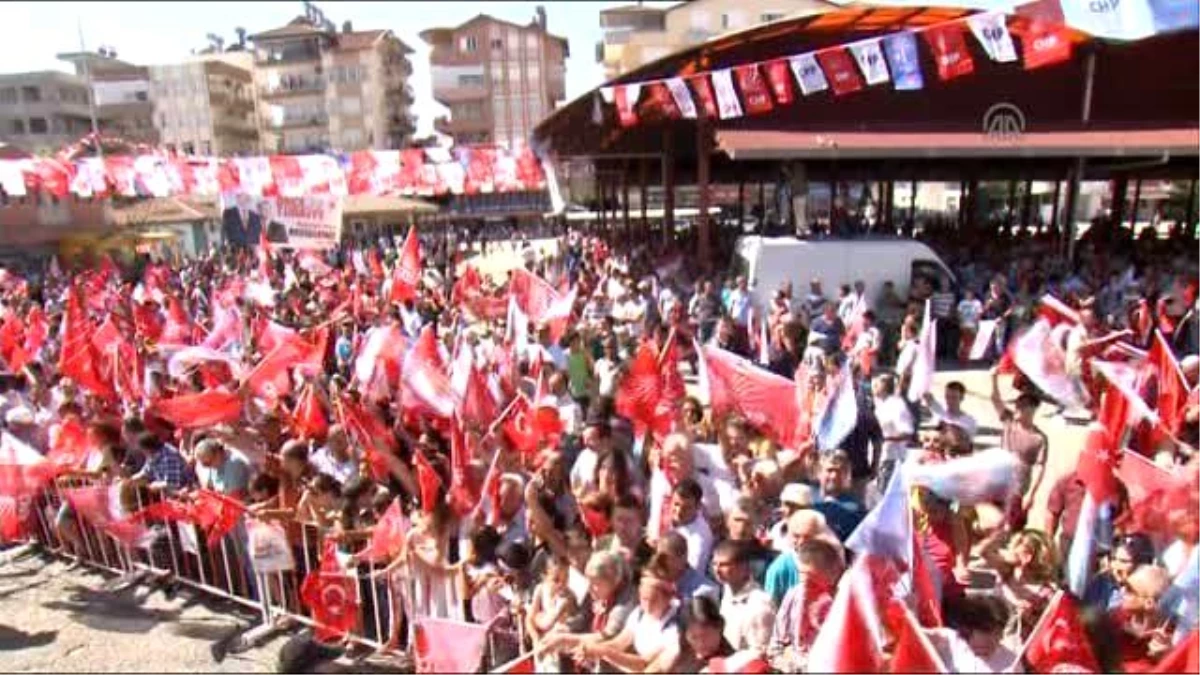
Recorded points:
728,105
989,28
683,97
808,74
869,55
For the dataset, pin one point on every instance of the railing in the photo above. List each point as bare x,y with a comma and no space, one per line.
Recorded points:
177,552
293,87
288,56
299,121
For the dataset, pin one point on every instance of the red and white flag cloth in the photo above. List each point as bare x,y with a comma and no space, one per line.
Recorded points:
407,274
746,662
925,363
23,470
1183,658
425,383
913,652
682,97
331,595
204,409
840,70
626,99
1045,43
388,536
1172,385
1056,311
950,51
991,29
1044,361
984,476
1058,642
808,74
754,89
100,505
851,639
449,646
869,56
766,400
382,353
779,74
728,105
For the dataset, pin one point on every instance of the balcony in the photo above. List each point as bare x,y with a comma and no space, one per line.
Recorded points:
225,99
293,87
276,56
300,122
402,124
399,96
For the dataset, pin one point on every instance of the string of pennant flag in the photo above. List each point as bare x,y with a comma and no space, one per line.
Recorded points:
841,69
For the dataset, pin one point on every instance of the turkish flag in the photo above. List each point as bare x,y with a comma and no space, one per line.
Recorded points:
78,358
641,388
477,406
331,595
626,98
449,646
912,652
848,640
428,481
1058,641
98,505
217,514
949,50
308,417
766,400
371,434
388,535
1172,386
755,94
1097,464
205,409
779,74
840,71
69,449
407,274
426,386
522,665
1184,658
23,470
467,287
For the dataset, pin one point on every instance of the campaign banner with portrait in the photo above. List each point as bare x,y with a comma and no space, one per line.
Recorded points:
308,222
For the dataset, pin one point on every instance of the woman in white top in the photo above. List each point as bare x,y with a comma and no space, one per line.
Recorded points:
649,643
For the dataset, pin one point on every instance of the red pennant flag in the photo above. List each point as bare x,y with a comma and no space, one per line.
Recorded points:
387,538
216,514
468,287
913,653
522,665
308,418
331,595
1097,464
641,388
756,98
69,449
1058,641
626,97
407,274
1045,44
426,386
429,482
779,74
478,405
1184,658
662,102
23,470
949,50
78,359
448,646
703,88
97,505
1172,386
840,71
195,411
766,400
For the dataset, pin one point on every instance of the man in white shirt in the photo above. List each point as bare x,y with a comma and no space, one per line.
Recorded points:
336,459
688,521
952,412
896,423
748,610
739,303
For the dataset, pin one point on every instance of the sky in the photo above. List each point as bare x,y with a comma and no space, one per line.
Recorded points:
155,33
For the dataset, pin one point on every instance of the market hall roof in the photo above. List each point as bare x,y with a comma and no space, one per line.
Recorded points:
1148,84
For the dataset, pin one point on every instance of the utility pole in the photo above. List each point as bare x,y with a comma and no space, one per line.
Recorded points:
91,92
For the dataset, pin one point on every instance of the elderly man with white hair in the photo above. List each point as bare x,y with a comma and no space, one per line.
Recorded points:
677,461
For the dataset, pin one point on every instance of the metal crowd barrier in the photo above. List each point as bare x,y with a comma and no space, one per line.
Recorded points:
178,552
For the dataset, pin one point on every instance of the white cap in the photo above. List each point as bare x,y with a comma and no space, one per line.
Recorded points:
797,494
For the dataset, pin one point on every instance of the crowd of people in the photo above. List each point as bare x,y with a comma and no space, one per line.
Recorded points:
629,522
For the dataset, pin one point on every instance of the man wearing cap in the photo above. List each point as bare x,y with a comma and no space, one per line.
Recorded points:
793,498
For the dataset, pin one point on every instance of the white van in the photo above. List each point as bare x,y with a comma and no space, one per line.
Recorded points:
767,262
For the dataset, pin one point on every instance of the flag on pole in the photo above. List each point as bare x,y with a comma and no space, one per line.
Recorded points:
926,360
449,646
1058,643
1097,461
850,640
841,412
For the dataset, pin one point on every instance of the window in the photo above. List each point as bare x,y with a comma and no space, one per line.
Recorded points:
352,105
17,126
56,125
37,125
31,95
725,21
468,44
497,44
352,138
142,96
470,80
768,17
171,148
8,95
189,148
207,147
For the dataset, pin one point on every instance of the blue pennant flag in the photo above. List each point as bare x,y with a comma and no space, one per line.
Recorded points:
901,51
1173,15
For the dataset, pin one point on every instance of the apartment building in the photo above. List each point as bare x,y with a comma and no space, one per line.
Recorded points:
499,79
42,111
321,89
122,94
206,107
635,35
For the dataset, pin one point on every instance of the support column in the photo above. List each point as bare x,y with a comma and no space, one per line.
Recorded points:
1080,163
703,157
911,225
1133,216
1010,206
741,202
601,206
799,198
625,203
1026,203
762,205
889,198
668,177
644,175
1189,213
1119,193
1057,196
962,203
